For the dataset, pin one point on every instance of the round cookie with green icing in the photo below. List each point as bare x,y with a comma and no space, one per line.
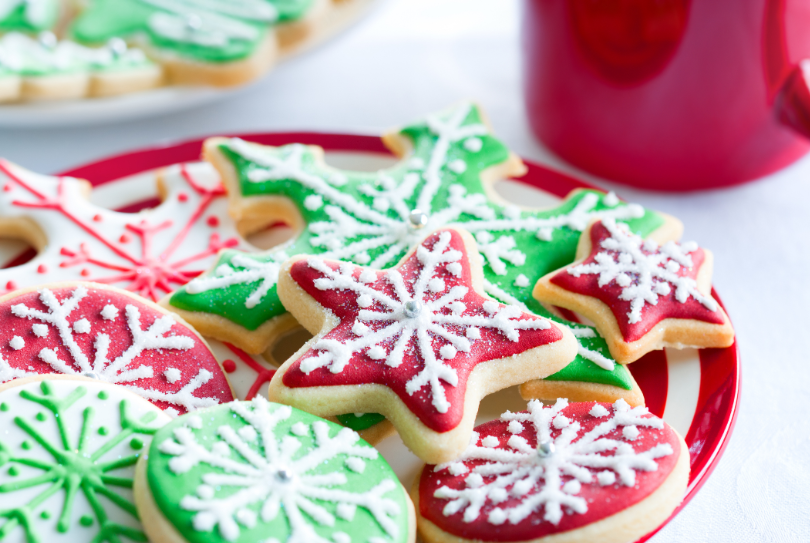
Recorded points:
259,471
67,459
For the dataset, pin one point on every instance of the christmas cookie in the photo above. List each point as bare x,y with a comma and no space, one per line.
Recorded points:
258,471
450,162
419,343
69,449
150,253
576,472
46,68
111,335
641,295
28,15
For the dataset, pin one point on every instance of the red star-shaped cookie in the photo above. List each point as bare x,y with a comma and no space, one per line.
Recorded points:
641,296
419,343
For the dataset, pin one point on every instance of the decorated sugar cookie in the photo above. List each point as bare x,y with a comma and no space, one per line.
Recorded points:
150,253
69,449
218,42
641,295
419,343
258,471
375,218
108,334
28,15
574,472
48,68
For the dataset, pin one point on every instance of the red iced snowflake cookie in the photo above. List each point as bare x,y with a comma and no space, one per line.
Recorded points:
108,334
419,343
642,296
568,472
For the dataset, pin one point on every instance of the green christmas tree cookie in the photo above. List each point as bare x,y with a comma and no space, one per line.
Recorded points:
374,218
259,471
67,460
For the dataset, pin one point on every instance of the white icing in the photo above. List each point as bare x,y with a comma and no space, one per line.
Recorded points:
599,411
611,200
40,330
519,470
172,375
150,252
394,330
122,369
521,281
643,270
251,478
16,343
313,202
82,414
81,326
109,312
473,145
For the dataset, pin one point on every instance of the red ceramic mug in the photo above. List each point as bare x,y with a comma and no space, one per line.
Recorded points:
670,94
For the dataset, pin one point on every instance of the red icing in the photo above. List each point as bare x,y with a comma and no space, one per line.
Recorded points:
667,307
11,285
42,268
183,197
602,501
125,238
188,361
362,369
97,218
85,272
213,221
229,365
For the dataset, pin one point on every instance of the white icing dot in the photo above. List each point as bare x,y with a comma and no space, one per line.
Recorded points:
81,326
474,480
457,468
362,258
367,276
172,412
313,202
346,510
457,307
17,343
416,163
491,307
457,166
454,268
545,234
497,516
360,329
606,478
364,301
109,312
436,284
490,442
376,353
630,433
473,333
521,281
194,421
599,411
561,421
40,330
248,433
300,429
611,200
515,427
572,487
473,145
172,375
355,464
448,352
341,537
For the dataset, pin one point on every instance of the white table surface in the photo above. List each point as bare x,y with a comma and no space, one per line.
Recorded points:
412,57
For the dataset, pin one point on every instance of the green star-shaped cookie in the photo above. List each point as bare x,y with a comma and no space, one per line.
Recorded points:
373,219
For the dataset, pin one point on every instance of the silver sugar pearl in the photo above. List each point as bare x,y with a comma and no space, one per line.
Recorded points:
91,375
412,309
283,475
545,448
418,218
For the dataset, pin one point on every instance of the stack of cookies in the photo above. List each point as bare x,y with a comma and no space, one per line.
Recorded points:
423,293
60,49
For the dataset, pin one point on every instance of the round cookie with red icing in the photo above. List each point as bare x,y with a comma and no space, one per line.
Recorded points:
568,472
111,335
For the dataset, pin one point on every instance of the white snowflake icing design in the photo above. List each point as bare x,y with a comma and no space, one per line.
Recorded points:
422,316
356,227
643,269
242,270
271,476
537,475
156,337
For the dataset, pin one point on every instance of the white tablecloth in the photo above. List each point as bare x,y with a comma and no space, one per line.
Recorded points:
412,57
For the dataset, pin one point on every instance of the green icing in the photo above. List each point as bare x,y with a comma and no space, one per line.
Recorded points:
364,218
3,406
28,15
204,30
72,466
253,471
363,422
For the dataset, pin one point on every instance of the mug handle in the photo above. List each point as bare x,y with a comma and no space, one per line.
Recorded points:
792,105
